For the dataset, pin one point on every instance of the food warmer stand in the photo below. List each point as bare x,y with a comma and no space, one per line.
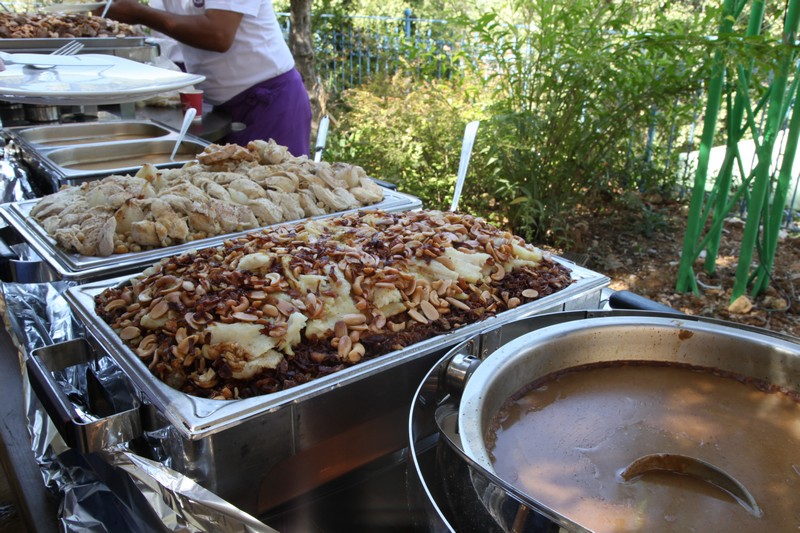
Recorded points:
346,465
36,316
343,446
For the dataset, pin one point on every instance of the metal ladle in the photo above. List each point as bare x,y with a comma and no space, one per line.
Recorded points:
187,120
691,466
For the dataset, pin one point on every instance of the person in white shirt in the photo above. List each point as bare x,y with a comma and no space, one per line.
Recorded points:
239,47
168,47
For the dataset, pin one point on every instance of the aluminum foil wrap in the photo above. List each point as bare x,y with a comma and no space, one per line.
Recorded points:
116,490
15,184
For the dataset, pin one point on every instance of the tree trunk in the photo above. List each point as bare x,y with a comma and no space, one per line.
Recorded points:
301,44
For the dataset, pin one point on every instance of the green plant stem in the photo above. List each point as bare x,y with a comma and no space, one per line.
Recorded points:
761,184
773,227
686,280
734,121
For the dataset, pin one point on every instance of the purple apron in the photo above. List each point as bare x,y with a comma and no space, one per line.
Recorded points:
276,109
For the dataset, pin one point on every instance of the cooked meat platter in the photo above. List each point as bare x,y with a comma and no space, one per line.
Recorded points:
337,422
123,223
81,268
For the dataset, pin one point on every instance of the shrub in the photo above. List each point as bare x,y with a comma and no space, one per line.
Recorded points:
407,131
566,101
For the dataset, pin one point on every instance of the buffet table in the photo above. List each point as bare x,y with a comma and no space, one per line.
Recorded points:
35,504
370,497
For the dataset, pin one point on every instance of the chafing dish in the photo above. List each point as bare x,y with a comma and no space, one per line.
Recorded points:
80,163
49,137
80,268
460,489
69,154
140,49
260,452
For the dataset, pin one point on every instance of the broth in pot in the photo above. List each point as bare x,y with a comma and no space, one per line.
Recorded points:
567,438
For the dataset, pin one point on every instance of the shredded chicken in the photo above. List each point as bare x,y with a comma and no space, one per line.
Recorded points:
228,189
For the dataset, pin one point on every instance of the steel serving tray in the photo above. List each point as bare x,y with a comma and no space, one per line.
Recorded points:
53,151
198,417
81,268
83,163
52,137
260,452
140,49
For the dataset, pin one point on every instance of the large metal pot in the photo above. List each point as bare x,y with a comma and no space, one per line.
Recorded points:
455,476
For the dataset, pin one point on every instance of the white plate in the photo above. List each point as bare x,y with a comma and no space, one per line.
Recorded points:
71,8
119,80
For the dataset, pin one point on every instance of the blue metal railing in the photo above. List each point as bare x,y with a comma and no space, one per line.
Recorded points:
350,49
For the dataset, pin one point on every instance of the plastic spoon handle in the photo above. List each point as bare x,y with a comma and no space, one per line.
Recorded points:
322,137
466,152
105,9
187,120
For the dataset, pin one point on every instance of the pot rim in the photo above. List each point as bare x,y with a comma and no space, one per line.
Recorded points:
500,374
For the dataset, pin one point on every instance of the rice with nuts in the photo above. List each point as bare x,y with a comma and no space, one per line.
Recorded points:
275,309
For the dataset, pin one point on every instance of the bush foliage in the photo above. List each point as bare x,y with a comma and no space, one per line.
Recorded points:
575,105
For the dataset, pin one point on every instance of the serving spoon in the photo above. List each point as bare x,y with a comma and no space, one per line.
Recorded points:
691,466
105,9
187,120
470,132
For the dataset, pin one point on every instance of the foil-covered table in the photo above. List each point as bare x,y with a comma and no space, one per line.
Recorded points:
114,490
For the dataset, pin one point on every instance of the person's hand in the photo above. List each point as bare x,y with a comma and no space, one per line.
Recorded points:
125,11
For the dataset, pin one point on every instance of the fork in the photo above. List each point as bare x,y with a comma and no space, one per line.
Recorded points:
69,49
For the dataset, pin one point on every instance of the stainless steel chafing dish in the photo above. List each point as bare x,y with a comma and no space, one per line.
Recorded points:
140,49
451,475
61,265
51,137
260,452
69,154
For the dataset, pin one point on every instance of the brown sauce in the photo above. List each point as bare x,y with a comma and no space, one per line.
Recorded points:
126,162
566,442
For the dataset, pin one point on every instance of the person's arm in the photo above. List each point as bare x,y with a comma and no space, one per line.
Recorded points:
214,30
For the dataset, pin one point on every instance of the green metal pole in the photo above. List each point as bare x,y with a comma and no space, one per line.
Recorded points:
760,189
686,280
734,136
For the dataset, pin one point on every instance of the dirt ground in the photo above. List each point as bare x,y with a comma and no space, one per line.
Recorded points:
639,248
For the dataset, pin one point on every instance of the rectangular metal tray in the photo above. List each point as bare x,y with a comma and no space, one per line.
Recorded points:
140,49
261,452
80,268
52,137
93,160
197,417
55,165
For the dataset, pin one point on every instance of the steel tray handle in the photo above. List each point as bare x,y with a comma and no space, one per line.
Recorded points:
85,436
